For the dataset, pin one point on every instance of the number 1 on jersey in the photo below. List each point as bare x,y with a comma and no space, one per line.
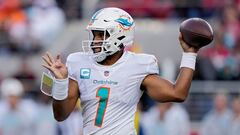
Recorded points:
103,95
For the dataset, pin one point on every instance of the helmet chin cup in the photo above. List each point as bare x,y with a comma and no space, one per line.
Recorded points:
89,49
99,57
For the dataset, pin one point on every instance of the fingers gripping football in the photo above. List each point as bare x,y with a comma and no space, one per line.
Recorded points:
186,47
196,32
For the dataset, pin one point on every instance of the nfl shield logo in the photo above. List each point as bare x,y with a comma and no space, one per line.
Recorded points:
106,73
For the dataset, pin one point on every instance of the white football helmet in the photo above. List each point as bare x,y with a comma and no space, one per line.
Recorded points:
117,24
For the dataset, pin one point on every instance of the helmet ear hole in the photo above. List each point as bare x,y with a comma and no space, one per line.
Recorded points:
107,34
120,38
121,46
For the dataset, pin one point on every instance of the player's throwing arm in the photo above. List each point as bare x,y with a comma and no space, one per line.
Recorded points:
194,34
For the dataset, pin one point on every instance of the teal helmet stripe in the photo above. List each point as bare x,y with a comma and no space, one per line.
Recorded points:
96,14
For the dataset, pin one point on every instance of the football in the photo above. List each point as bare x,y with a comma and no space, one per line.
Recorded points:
196,32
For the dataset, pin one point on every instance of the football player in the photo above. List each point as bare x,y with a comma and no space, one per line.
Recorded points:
110,81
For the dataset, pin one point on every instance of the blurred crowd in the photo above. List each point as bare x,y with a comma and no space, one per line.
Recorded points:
28,26
169,9
173,119
20,115
221,60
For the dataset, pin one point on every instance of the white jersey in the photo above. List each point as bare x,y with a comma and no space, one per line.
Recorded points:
109,94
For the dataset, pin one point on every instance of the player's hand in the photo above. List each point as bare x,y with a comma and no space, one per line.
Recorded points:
187,48
55,66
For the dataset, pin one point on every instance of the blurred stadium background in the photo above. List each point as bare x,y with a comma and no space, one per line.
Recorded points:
29,28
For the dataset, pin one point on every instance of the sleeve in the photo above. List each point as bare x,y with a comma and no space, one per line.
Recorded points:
70,67
152,67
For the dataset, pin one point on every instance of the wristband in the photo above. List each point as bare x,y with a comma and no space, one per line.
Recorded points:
60,89
188,60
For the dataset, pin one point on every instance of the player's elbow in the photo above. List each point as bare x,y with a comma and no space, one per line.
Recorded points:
172,98
180,98
59,118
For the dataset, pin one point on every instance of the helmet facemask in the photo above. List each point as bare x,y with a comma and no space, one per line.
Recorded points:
100,49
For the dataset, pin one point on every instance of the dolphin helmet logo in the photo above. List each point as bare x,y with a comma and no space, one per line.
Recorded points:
125,22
